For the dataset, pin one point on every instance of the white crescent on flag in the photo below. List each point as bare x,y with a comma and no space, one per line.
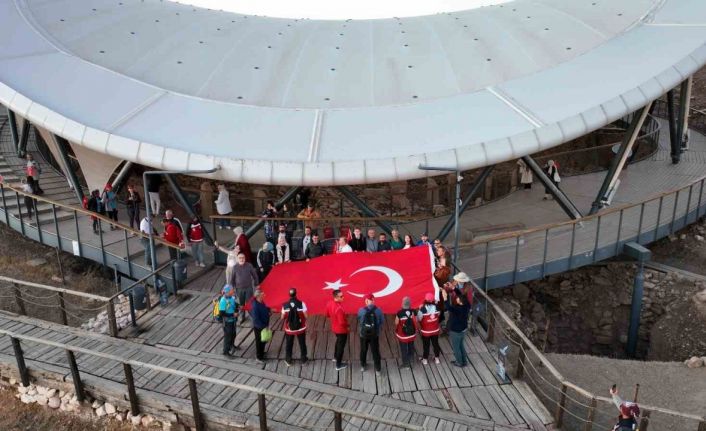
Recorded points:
394,281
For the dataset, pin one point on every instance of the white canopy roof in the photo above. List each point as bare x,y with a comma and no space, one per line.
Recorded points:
301,101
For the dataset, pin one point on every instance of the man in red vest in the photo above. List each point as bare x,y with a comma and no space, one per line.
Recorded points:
194,234
430,327
294,318
339,326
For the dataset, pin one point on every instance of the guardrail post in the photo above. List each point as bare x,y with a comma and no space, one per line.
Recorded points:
644,421
591,415
100,237
521,358
194,393
132,309
75,376
4,205
18,299
337,421
262,409
62,309
19,212
559,413
112,323
20,358
134,404
78,235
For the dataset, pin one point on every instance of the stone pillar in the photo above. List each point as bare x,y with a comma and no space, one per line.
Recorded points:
207,200
488,191
400,201
259,200
432,192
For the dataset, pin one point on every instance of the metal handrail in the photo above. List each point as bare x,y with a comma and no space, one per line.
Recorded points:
160,268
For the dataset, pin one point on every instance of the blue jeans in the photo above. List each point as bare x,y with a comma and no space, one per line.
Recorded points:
146,244
197,249
457,340
224,222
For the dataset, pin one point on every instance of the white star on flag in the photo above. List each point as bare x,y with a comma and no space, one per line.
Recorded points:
336,285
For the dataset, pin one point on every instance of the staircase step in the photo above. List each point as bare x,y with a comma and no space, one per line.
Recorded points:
44,218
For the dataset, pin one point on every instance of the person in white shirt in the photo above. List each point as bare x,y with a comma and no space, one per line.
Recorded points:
306,240
282,250
343,246
146,228
223,206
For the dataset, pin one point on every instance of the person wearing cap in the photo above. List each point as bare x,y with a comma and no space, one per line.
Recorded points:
629,412
339,326
294,326
370,322
110,203
260,314
406,331
458,307
424,240
228,311
429,318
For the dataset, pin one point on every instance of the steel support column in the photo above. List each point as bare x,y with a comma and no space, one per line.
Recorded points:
24,137
181,198
122,175
364,208
466,201
683,120
619,160
288,196
673,130
13,128
563,200
62,145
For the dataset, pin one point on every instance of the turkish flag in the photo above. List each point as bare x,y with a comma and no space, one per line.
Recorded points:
390,276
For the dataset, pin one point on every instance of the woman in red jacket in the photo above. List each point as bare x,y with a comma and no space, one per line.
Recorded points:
339,326
429,318
406,331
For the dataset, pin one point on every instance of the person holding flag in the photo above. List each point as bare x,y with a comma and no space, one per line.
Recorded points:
294,317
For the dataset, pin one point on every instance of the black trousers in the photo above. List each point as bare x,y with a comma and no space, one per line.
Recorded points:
340,347
259,345
134,216
173,253
228,336
289,345
433,340
374,344
30,204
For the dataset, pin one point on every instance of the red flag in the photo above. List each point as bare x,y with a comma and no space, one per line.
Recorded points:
390,276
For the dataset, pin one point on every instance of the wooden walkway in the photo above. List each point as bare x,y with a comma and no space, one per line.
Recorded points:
471,400
187,326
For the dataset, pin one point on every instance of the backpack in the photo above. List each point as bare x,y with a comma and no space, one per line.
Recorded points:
293,320
217,310
408,326
370,324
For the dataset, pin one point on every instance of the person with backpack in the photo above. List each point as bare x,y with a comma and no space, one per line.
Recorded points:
228,314
294,317
370,321
194,235
429,318
260,314
339,326
459,308
629,412
406,331
265,260
110,203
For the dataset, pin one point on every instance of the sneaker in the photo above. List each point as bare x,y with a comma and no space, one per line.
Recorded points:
437,361
343,366
288,362
259,361
202,265
362,369
425,362
333,360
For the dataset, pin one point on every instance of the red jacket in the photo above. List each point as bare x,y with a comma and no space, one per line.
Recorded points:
339,323
301,309
402,317
244,247
173,234
429,324
195,232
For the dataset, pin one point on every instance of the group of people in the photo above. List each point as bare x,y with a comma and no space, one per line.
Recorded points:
551,170
426,321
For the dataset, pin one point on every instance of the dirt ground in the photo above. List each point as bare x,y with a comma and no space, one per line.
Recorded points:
17,416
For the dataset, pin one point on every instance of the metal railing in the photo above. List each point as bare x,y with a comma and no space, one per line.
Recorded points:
573,407
512,257
72,239
131,367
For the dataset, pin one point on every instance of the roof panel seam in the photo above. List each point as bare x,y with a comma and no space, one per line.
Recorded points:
573,18
136,110
285,93
445,55
516,106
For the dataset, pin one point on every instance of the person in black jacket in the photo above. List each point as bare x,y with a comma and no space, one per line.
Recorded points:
314,249
265,260
357,242
383,243
132,202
